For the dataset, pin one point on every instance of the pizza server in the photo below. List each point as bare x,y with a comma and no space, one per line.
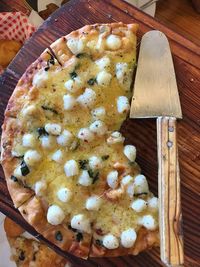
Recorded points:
156,96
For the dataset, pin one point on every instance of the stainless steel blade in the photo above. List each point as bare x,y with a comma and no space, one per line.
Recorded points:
155,90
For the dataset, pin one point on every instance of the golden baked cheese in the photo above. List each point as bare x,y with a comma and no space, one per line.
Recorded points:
67,168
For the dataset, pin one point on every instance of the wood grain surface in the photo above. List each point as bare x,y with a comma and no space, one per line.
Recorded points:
141,133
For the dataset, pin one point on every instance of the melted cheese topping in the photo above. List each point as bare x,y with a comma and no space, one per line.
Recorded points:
81,107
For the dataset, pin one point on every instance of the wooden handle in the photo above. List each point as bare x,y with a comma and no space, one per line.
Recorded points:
170,217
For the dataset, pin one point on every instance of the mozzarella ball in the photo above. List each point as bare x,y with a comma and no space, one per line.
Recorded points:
141,185
93,203
69,102
65,138
128,238
47,141
31,157
103,63
121,71
126,180
71,168
40,187
87,99
81,223
149,222
110,241
84,179
130,152
115,137
139,205
95,163
64,194
113,42
85,135
104,78
57,156
73,85
112,179
123,105
98,113
75,45
153,203
28,140
17,172
55,215
40,78
98,127
53,128
130,190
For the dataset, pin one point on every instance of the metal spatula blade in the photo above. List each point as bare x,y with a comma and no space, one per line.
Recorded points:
156,95
155,89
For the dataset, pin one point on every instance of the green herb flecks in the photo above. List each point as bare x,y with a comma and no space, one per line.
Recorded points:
24,168
92,81
50,109
73,75
99,242
79,237
105,157
41,131
94,175
14,178
58,236
83,164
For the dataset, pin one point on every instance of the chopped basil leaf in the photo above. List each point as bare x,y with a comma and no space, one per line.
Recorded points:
41,131
14,178
99,242
105,157
94,175
22,255
92,81
80,55
73,75
79,237
70,228
50,109
24,168
59,236
83,164
139,194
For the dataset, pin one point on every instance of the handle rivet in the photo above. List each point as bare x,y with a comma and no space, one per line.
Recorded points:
171,129
169,144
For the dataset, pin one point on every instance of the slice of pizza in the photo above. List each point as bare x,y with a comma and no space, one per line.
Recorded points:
66,165
29,252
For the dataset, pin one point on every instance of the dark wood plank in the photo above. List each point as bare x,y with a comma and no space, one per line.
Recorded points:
142,133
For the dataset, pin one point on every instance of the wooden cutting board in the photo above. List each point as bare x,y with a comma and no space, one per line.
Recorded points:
141,133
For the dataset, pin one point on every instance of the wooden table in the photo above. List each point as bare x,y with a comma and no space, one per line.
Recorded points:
186,59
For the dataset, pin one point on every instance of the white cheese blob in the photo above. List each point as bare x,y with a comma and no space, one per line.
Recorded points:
40,187
55,215
110,241
139,205
28,140
121,71
75,45
69,102
47,141
113,42
123,105
115,137
85,135
149,222
112,179
141,185
74,85
98,127
40,78
98,113
88,98
53,128
95,163
103,63
31,157
126,180
128,238
81,223
93,203
64,194
84,179
104,78
153,203
130,152
130,190
65,139
71,168
17,172
58,156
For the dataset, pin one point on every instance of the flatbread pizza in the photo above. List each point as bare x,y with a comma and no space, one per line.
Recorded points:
67,167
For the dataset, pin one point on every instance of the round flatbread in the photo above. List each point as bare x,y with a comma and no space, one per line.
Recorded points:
66,165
